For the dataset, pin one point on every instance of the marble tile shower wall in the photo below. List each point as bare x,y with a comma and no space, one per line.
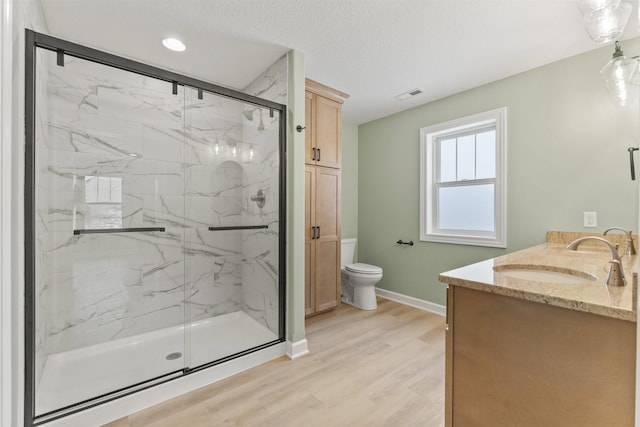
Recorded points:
261,298
227,161
123,151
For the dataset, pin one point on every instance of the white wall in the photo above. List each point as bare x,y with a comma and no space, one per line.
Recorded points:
16,16
6,380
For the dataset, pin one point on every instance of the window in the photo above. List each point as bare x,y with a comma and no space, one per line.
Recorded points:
103,202
102,189
463,180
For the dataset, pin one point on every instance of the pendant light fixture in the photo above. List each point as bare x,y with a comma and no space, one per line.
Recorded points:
604,20
622,77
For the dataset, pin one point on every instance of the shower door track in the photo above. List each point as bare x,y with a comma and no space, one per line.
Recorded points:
107,397
144,385
62,47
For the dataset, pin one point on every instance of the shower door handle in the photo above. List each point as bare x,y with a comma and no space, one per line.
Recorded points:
117,230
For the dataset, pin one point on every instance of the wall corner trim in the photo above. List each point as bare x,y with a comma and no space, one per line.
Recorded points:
297,349
412,302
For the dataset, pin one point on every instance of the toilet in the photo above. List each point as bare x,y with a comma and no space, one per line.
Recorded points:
358,280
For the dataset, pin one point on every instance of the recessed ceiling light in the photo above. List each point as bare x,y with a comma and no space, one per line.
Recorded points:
173,44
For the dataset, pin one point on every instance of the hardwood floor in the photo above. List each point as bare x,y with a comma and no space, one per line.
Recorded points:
366,368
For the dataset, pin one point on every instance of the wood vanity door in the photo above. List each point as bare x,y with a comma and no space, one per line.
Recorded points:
520,363
448,384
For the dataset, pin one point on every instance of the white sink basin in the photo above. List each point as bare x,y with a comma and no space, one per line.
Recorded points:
544,273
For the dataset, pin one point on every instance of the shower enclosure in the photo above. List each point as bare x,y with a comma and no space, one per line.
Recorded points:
154,211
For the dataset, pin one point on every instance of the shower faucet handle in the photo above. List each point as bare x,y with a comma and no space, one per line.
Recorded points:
260,198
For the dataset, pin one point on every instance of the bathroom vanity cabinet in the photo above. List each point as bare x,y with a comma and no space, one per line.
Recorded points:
512,362
527,353
322,197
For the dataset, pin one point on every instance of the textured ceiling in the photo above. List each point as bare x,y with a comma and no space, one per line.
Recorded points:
371,49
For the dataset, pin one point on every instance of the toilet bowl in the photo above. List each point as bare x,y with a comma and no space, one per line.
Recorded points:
359,279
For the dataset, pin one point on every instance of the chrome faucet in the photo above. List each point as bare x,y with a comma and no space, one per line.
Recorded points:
616,274
630,249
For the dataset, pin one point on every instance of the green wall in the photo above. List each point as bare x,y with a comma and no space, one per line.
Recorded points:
566,150
295,198
349,180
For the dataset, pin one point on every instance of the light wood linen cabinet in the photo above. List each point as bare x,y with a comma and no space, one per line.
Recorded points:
323,110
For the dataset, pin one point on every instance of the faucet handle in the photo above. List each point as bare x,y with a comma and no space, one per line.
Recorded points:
616,274
616,228
631,248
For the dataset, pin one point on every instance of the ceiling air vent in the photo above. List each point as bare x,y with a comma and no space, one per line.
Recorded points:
409,94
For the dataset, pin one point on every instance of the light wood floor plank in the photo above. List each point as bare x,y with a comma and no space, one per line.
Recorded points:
366,368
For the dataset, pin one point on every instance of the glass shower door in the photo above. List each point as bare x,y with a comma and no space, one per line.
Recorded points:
109,206
232,202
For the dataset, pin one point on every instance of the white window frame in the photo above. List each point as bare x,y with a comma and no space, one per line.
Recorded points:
429,167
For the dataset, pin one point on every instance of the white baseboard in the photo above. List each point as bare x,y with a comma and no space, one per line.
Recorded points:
297,349
412,302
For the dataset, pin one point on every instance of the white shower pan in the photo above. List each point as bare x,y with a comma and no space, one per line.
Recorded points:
77,375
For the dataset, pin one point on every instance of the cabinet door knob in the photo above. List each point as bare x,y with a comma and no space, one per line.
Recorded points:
314,154
318,227
318,154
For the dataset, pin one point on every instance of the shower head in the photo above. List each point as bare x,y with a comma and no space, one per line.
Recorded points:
248,113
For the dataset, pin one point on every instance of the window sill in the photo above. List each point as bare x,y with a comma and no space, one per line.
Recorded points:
489,242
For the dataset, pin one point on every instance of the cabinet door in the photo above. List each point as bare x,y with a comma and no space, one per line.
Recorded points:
327,203
327,252
309,135
327,131
522,363
327,281
448,387
309,244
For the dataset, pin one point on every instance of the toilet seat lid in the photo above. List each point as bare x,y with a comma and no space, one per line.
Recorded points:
363,268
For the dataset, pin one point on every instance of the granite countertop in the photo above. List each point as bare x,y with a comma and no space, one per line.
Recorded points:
589,261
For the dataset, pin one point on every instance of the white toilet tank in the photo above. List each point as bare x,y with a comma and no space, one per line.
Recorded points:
347,251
